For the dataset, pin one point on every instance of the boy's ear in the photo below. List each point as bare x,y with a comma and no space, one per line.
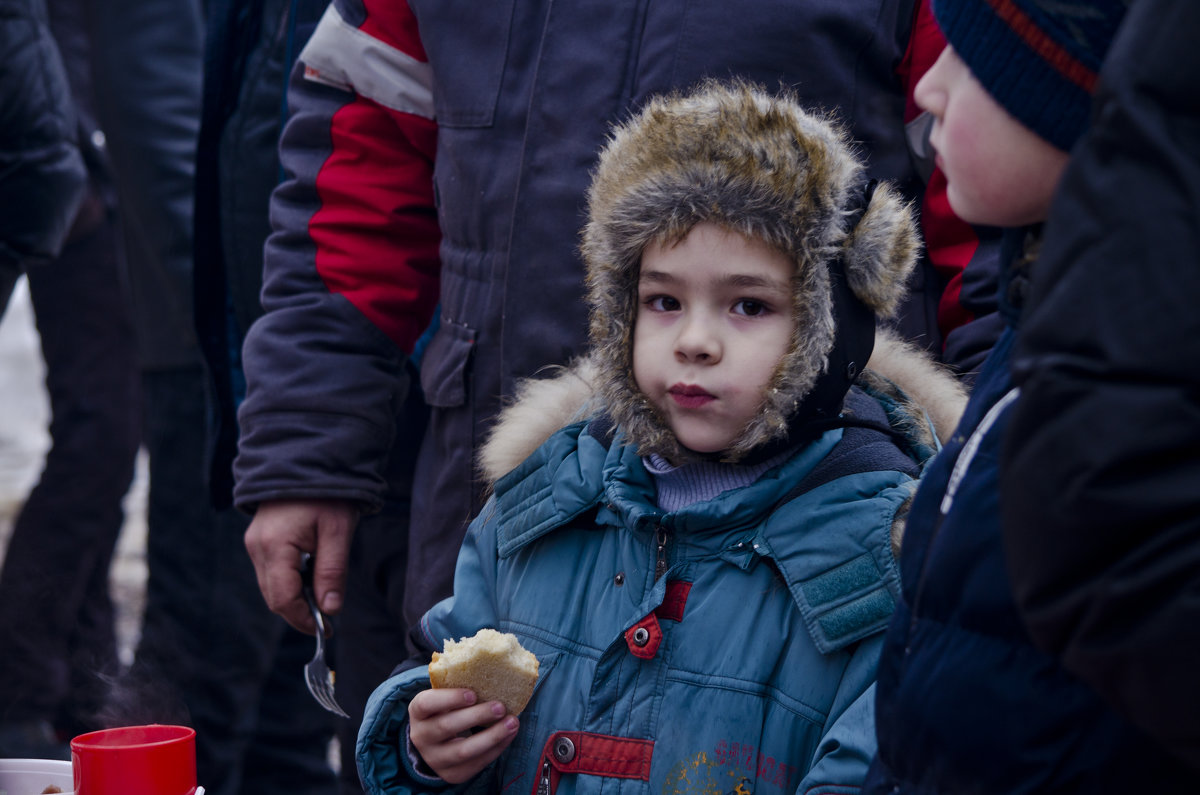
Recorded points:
881,251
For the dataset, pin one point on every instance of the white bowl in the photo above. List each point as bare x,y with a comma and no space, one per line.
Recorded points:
32,776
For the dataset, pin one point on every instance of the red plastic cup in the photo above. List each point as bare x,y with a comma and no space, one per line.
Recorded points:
135,760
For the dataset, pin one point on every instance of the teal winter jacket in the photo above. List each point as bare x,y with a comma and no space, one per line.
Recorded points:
727,647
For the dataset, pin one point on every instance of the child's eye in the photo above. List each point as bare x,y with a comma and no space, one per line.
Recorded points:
750,308
662,303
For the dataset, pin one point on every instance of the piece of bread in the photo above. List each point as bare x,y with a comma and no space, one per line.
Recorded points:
493,664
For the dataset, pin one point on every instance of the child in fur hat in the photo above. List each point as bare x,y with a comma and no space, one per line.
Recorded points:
966,703
693,529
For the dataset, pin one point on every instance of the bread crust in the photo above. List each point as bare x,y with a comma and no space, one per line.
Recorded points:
492,664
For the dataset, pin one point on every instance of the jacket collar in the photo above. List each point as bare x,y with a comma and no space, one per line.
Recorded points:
843,582
576,472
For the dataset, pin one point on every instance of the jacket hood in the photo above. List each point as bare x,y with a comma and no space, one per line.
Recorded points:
933,402
761,166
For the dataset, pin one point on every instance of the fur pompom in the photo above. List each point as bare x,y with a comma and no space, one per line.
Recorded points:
881,251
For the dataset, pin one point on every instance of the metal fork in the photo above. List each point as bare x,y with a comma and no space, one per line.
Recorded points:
316,673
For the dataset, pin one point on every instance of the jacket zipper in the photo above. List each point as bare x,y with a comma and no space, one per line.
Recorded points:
660,565
966,456
544,782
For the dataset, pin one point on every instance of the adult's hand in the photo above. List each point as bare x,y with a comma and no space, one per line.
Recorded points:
281,532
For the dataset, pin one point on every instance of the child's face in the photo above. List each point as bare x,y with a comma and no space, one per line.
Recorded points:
714,319
999,172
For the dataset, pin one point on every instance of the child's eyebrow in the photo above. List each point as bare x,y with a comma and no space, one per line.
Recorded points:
743,281
656,277
746,281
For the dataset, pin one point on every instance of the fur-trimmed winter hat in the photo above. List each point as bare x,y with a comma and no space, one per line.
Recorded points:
1039,59
762,166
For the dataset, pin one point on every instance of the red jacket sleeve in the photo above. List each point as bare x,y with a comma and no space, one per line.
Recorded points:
351,269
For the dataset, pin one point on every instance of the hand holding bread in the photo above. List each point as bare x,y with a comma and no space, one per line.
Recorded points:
469,717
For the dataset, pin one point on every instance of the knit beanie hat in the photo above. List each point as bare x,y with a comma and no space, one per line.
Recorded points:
763,167
1039,59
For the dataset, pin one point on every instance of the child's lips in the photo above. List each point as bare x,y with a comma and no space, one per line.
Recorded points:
690,396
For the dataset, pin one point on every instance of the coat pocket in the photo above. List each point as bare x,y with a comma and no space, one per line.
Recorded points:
445,366
467,59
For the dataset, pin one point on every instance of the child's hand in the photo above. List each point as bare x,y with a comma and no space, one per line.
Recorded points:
439,726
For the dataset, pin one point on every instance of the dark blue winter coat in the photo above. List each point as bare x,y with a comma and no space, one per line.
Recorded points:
249,49
965,703
1102,453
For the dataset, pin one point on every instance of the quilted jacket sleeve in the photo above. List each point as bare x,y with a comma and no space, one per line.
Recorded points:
382,750
351,269
1100,476
41,169
845,752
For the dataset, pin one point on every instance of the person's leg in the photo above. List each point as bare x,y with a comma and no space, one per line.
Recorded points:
93,663
147,68
55,610
370,637
289,753
10,273
208,633
443,504
371,633
282,735
182,558
181,555
209,642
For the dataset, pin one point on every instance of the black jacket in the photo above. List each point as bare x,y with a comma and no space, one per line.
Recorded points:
1101,475
965,703
42,175
249,49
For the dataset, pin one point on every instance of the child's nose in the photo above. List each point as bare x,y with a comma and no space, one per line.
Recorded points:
697,341
929,93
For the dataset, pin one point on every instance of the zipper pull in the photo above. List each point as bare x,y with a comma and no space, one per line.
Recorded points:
660,565
544,782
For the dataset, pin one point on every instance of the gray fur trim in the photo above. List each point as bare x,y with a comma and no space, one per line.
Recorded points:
759,165
934,402
876,249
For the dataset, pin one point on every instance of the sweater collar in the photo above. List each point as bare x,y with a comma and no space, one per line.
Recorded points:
677,487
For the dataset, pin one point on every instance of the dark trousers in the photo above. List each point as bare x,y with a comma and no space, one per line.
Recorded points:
212,655
370,637
56,617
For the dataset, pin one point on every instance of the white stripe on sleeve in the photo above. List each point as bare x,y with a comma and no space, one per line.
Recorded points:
341,55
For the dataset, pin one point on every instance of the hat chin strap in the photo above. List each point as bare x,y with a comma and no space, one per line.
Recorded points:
853,342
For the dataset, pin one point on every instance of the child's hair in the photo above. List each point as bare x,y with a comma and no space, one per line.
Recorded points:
764,167
1039,60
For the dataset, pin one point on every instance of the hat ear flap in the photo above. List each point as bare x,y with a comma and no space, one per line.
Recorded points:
881,251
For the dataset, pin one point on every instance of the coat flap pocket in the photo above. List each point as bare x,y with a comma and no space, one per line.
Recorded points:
468,60
444,366
846,603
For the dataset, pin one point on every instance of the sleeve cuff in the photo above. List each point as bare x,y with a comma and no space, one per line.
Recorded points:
417,768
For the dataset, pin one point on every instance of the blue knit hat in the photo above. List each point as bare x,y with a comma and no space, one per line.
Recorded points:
1039,59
